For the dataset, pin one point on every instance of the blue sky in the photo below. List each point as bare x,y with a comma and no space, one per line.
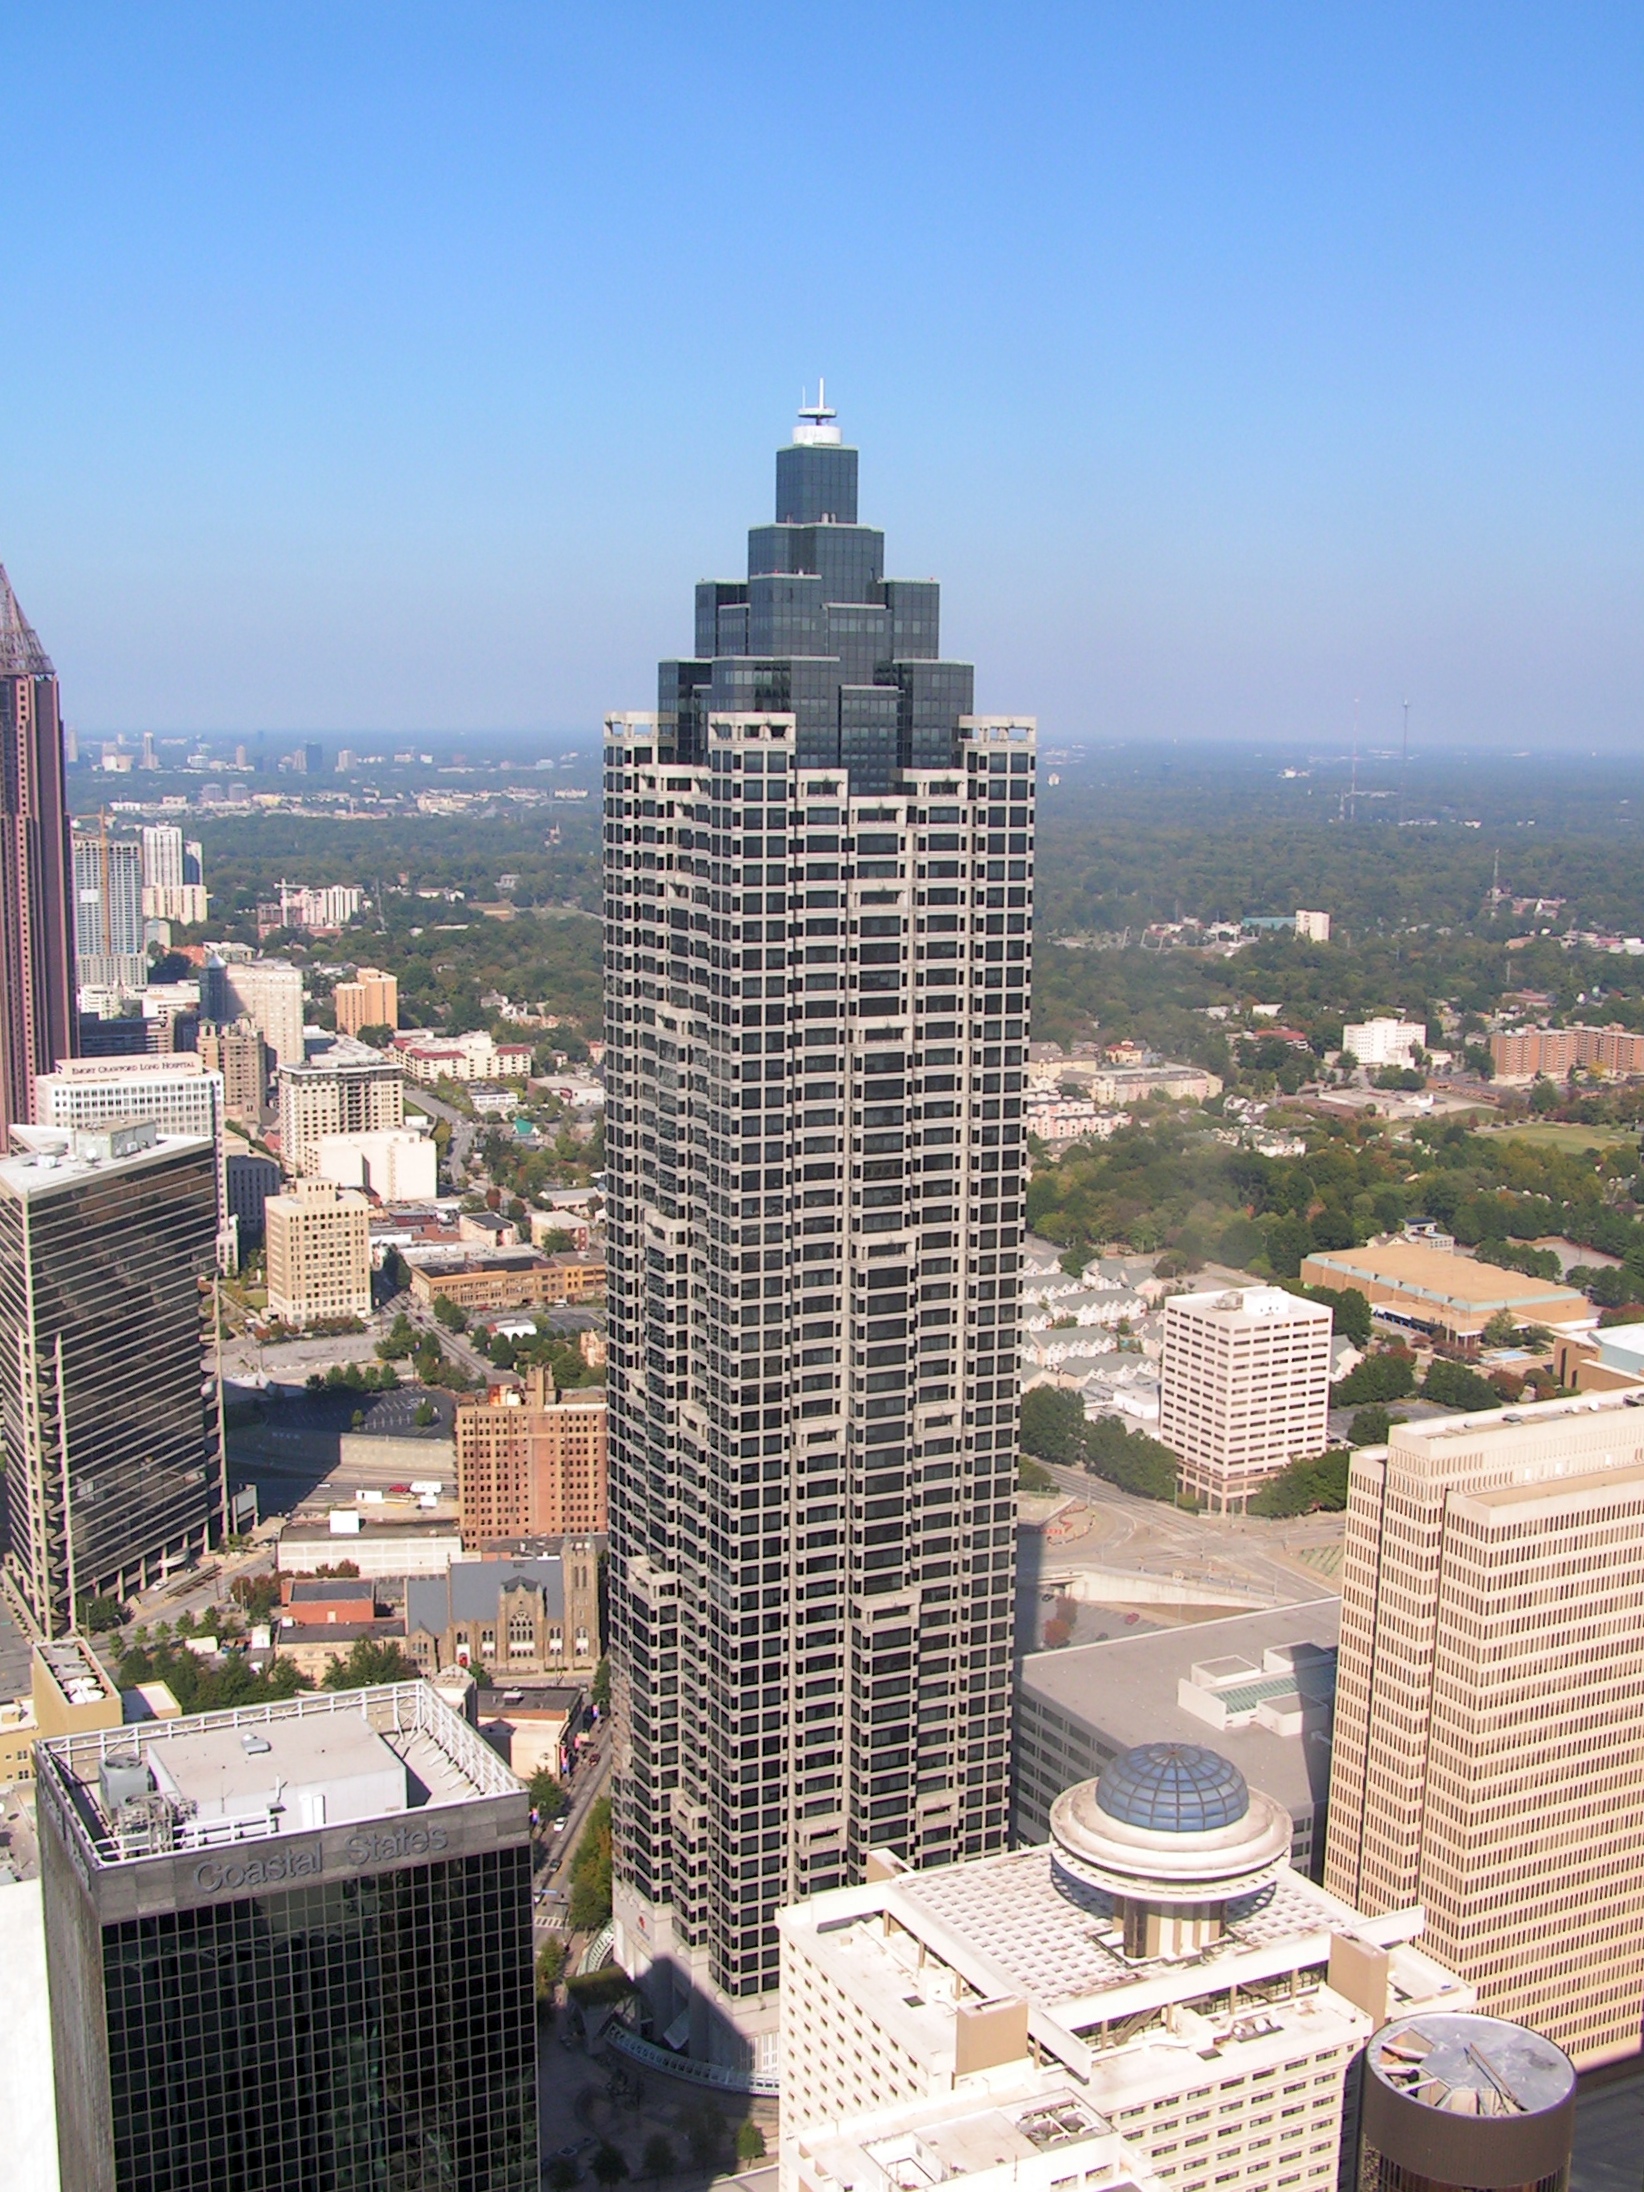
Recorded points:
401,367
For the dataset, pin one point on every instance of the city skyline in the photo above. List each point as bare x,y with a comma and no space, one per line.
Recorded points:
1307,375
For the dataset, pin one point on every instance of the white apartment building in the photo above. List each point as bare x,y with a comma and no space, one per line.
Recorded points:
268,993
1489,1736
170,891
319,1253
1157,1971
1244,1389
399,1166
1377,1043
471,1057
1315,927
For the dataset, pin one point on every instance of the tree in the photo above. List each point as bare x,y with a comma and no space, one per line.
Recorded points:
1381,1377
1369,1426
1500,1330
548,1797
591,1872
563,2172
423,1414
1304,1487
1053,1424
599,1690
704,2129
750,2142
370,1661
609,2165
1453,1385
257,1594
449,1313
1349,1308
550,1967
1031,1478
103,1612
659,2159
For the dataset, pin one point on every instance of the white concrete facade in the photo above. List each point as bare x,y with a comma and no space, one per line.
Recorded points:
1244,1389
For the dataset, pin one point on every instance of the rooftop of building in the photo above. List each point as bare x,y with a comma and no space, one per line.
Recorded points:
259,1771
1511,1449
912,1949
48,1159
73,1666
1451,1281
1129,1689
1035,2132
1248,1305
471,1590
519,1699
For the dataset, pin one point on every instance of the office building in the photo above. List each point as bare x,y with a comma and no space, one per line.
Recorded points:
512,1279
531,1462
1489,1735
1157,1963
1314,928
818,879
268,993
1265,1683
401,1166
174,1089
250,1179
113,1460
371,999
170,892
36,874
1444,1296
240,1056
1244,1388
290,1946
1377,1043
110,946
318,1239
346,1089
527,1616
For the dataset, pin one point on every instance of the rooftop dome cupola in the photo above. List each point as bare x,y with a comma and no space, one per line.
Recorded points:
1174,1834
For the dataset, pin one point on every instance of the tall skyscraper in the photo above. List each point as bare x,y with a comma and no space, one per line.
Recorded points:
818,876
36,923
109,950
170,891
1489,1735
113,1468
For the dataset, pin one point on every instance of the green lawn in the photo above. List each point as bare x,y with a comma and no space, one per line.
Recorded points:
1571,1139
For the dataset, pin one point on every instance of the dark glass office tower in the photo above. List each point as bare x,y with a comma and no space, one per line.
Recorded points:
36,927
818,876
113,1465
289,1950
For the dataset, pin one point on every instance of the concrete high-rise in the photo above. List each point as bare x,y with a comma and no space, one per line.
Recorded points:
1244,1387
531,1462
372,999
36,920
109,949
319,1253
819,887
177,1090
1489,1733
113,1459
347,1089
268,993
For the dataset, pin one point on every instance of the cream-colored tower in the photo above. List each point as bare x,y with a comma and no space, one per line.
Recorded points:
1489,1735
1244,1388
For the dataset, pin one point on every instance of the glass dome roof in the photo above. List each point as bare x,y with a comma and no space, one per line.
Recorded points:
1174,1788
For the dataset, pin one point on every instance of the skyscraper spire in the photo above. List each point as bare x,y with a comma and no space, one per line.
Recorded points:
21,654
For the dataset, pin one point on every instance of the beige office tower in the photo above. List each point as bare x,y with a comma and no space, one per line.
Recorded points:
240,1055
372,999
347,1090
1489,1737
269,993
1244,1388
319,1253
